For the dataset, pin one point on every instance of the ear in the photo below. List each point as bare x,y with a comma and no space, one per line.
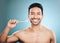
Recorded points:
28,16
42,16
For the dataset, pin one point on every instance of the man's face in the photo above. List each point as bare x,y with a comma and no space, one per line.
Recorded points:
35,15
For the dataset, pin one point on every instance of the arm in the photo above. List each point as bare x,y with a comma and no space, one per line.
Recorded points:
53,39
12,39
4,35
0,34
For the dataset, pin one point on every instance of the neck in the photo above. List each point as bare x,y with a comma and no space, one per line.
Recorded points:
35,27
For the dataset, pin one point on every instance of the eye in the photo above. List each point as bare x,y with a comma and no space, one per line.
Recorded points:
38,13
32,13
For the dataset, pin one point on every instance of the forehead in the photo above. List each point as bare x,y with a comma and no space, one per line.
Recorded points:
35,9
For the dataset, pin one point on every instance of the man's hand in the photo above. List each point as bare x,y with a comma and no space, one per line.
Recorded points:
12,23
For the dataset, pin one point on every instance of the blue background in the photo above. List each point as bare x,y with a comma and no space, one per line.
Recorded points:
18,9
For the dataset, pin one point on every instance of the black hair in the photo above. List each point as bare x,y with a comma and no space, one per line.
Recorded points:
36,5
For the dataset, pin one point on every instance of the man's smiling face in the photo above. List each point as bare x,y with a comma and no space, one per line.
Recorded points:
35,15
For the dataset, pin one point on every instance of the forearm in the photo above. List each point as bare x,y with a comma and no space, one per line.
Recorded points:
4,35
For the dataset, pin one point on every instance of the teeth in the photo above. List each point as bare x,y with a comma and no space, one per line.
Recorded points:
35,20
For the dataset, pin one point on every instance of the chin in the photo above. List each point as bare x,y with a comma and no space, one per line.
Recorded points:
35,24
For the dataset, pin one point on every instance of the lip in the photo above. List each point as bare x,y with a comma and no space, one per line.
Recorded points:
35,20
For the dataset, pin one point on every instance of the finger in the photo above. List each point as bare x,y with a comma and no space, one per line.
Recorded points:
16,21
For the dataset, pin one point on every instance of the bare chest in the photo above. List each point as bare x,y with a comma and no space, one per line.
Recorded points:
35,37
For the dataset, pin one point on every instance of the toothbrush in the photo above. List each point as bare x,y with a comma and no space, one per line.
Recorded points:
23,21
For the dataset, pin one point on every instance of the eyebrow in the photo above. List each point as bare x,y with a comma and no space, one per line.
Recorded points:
33,12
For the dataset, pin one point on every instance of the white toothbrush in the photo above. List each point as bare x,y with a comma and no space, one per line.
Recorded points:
23,21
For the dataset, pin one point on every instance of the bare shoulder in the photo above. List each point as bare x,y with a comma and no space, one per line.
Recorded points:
50,32
18,32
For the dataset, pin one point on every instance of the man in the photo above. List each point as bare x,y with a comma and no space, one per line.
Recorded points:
36,33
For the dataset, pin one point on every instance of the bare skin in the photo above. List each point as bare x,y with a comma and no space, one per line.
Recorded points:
0,34
31,35
36,33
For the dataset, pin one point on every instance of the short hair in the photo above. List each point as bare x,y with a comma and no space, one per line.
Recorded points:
36,5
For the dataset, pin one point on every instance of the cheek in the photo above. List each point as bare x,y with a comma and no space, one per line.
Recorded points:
41,17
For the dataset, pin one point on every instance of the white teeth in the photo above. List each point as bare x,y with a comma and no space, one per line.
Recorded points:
35,20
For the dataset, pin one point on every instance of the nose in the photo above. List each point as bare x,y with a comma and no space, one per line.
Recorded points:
35,16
